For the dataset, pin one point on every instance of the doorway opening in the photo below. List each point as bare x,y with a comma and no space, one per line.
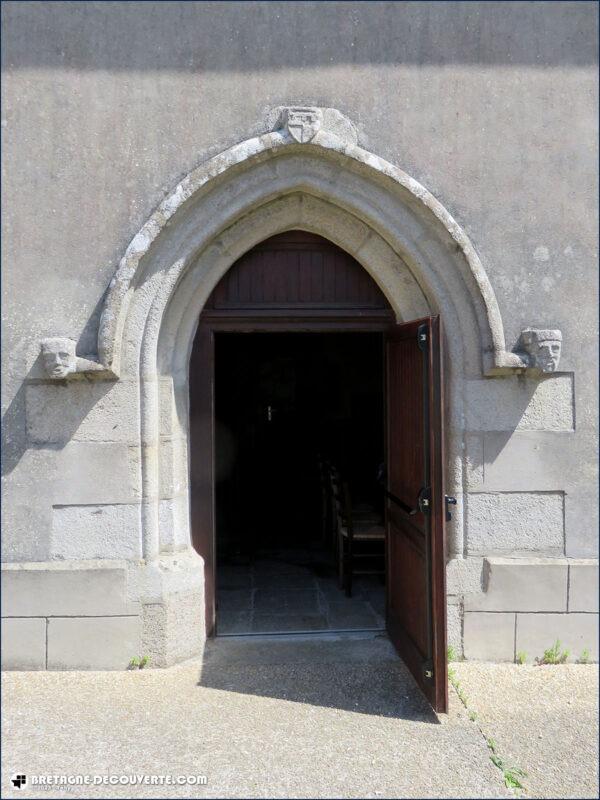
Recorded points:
288,408
316,454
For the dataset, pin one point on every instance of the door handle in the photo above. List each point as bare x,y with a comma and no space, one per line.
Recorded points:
407,509
449,501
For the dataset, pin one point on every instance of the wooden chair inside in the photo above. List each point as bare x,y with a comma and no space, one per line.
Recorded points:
361,512
360,536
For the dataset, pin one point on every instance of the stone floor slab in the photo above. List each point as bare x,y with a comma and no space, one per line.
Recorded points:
285,580
302,584
278,623
234,623
286,601
359,616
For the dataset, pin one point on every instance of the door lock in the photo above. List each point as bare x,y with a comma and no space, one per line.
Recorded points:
424,500
450,501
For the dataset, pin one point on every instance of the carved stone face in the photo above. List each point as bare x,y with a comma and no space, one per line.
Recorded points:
544,348
58,355
548,355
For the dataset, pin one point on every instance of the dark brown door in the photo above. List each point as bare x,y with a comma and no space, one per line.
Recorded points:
202,467
415,506
295,281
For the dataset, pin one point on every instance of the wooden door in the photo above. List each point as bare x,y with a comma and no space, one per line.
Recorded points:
202,466
294,281
415,504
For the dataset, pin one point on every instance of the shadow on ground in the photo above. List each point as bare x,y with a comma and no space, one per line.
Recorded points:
350,673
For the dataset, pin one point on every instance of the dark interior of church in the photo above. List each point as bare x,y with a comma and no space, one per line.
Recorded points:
290,408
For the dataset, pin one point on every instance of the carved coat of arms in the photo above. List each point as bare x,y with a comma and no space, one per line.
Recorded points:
303,123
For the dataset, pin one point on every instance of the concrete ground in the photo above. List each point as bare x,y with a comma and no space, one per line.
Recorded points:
543,719
317,717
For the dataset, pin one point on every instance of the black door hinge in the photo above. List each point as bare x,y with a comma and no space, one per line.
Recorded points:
422,337
424,500
428,670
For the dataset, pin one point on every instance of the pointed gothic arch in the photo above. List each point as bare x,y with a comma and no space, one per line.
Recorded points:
410,245
308,174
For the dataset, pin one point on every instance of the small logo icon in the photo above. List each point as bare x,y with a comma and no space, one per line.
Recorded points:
19,780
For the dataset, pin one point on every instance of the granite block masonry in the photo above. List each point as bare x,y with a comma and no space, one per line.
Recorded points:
500,244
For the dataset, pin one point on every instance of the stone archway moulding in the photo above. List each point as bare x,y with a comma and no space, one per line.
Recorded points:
332,135
332,138
309,172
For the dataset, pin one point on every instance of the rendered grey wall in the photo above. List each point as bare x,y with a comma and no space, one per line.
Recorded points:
492,106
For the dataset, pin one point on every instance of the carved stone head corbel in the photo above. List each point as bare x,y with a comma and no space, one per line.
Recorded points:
59,357
542,348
